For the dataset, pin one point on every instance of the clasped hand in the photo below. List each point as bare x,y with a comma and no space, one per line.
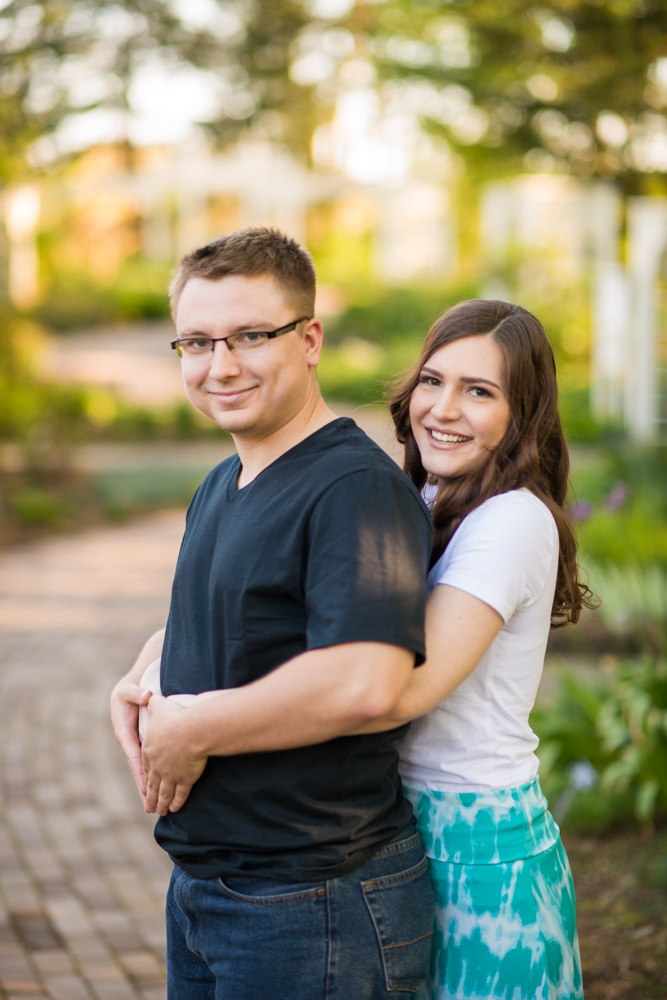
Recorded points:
170,767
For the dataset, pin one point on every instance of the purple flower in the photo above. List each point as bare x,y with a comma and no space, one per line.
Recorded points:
617,497
580,510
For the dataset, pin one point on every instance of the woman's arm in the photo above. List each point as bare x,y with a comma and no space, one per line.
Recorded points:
459,630
126,700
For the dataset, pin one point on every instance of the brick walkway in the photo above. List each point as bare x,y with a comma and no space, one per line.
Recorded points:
82,882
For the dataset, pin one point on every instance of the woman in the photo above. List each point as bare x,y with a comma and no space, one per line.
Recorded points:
483,440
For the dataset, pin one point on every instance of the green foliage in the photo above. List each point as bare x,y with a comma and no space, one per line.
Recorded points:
399,314
633,529
633,600
133,490
536,77
499,79
248,48
632,725
137,292
635,535
38,506
579,424
615,726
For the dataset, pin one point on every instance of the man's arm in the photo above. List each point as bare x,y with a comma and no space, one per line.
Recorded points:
314,697
126,698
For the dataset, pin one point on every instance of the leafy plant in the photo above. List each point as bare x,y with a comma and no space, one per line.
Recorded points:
633,601
38,506
603,745
632,726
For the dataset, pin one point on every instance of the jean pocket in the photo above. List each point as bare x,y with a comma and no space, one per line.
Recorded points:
258,892
401,908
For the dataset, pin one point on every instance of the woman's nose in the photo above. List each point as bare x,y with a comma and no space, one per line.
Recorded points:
447,405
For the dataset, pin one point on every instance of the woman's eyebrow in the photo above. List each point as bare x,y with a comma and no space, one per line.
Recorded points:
470,381
463,378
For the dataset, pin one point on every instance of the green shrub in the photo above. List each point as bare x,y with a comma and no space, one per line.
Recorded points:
127,491
620,494
603,745
137,291
626,537
37,506
632,725
579,424
633,600
396,314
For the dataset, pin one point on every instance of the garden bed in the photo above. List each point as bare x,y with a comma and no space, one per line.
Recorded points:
621,887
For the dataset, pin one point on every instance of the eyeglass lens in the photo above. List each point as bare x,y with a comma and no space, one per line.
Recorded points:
197,346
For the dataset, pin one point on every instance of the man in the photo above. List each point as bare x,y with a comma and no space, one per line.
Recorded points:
299,594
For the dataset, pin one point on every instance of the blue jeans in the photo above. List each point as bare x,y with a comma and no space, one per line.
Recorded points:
363,936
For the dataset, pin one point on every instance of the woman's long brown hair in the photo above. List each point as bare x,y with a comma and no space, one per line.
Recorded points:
532,454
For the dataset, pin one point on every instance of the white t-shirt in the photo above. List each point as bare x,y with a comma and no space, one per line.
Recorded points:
506,554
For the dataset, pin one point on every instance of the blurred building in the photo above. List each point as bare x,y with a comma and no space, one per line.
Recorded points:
583,232
159,202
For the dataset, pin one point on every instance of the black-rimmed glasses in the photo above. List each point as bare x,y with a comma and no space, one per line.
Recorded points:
249,341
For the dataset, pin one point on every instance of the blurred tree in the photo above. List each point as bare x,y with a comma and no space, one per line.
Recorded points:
572,85
63,59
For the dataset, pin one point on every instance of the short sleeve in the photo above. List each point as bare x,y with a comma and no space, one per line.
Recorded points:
502,553
369,545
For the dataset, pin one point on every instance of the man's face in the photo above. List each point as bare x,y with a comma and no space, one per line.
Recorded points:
255,393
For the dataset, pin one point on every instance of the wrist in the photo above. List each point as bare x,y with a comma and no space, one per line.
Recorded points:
192,732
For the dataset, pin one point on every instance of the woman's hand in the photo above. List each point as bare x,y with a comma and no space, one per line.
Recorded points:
126,699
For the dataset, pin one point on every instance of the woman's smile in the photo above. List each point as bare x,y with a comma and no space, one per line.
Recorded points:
446,437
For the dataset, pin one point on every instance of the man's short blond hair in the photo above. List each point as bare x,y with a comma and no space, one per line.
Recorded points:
252,252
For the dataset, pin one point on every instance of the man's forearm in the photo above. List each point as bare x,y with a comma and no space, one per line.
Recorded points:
315,697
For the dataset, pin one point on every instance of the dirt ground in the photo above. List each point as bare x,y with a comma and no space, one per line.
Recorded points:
621,888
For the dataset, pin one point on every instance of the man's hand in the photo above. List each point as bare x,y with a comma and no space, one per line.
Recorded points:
170,769
126,698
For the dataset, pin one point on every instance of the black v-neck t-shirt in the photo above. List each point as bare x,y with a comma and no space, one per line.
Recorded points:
329,544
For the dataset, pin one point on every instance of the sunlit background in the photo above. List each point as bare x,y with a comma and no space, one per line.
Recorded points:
425,152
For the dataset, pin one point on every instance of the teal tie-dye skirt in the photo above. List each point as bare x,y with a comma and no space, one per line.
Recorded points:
505,921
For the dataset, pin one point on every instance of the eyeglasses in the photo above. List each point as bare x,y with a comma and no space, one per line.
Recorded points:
242,342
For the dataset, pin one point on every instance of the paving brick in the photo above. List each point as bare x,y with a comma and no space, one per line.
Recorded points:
55,960
120,990
82,881
67,988
143,967
16,974
153,994
101,971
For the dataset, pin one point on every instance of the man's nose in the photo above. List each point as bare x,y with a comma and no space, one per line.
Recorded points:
224,362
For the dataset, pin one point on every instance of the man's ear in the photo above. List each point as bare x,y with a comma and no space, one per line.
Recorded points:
313,336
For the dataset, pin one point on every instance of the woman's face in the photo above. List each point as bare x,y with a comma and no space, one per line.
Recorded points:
459,410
